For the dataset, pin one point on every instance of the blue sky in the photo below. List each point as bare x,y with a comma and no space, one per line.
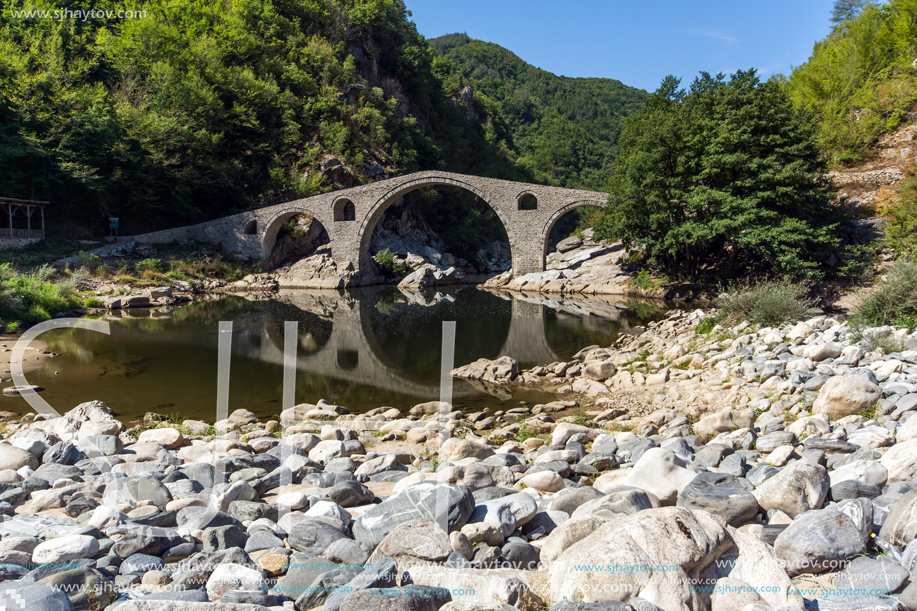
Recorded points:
638,42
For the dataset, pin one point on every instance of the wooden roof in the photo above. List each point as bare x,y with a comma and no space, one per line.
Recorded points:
24,202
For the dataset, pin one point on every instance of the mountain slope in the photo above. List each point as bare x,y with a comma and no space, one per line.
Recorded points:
200,109
564,129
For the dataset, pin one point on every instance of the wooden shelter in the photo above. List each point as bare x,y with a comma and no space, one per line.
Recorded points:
19,208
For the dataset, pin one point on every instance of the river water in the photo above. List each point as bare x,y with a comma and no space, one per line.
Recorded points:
361,349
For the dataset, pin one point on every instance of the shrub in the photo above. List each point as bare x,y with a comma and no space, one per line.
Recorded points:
93,302
88,260
706,325
882,340
893,302
153,265
35,297
386,261
644,280
767,303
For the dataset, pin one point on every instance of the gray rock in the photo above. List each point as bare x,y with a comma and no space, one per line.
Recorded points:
712,454
314,536
301,574
381,574
223,537
856,602
413,543
318,592
252,510
19,596
618,500
881,573
852,489
522,556
720,494
569,500
821,540
568,244
798,487
15,458
900,527
351,494
506,513
347,552
133,490
262,539
405,598
191,596
418,501
605,444
139,564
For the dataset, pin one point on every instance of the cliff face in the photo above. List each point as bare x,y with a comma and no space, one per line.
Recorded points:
870,189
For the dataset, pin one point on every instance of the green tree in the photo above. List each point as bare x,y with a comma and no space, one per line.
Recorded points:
722,178
846,10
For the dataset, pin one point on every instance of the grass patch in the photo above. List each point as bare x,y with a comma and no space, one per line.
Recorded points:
879,340
770,303
893,302
42,251
38,295
705,327
525,433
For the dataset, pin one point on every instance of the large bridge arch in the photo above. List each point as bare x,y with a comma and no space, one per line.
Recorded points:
381,204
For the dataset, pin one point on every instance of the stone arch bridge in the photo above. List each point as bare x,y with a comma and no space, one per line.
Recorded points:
528,213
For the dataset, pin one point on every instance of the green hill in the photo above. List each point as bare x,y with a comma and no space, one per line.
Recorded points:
861,80
564,130
198,109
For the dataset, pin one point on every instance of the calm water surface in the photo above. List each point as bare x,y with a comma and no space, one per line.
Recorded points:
361,349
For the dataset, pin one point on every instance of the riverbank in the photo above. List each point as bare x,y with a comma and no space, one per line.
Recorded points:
776,464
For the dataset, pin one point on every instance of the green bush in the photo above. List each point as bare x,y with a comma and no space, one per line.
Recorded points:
93,302
386,261
881,340
705,326
893,302
643,280
35,297
153,265
769,303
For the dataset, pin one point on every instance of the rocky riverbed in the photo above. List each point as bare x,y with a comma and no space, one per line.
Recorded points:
783,475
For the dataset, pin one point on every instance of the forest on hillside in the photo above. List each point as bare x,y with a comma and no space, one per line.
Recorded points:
565,129
200,109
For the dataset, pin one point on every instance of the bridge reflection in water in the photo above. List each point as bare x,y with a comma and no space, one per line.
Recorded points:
352,353
360,348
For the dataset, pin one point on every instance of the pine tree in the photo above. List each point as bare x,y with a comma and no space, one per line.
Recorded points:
845,10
